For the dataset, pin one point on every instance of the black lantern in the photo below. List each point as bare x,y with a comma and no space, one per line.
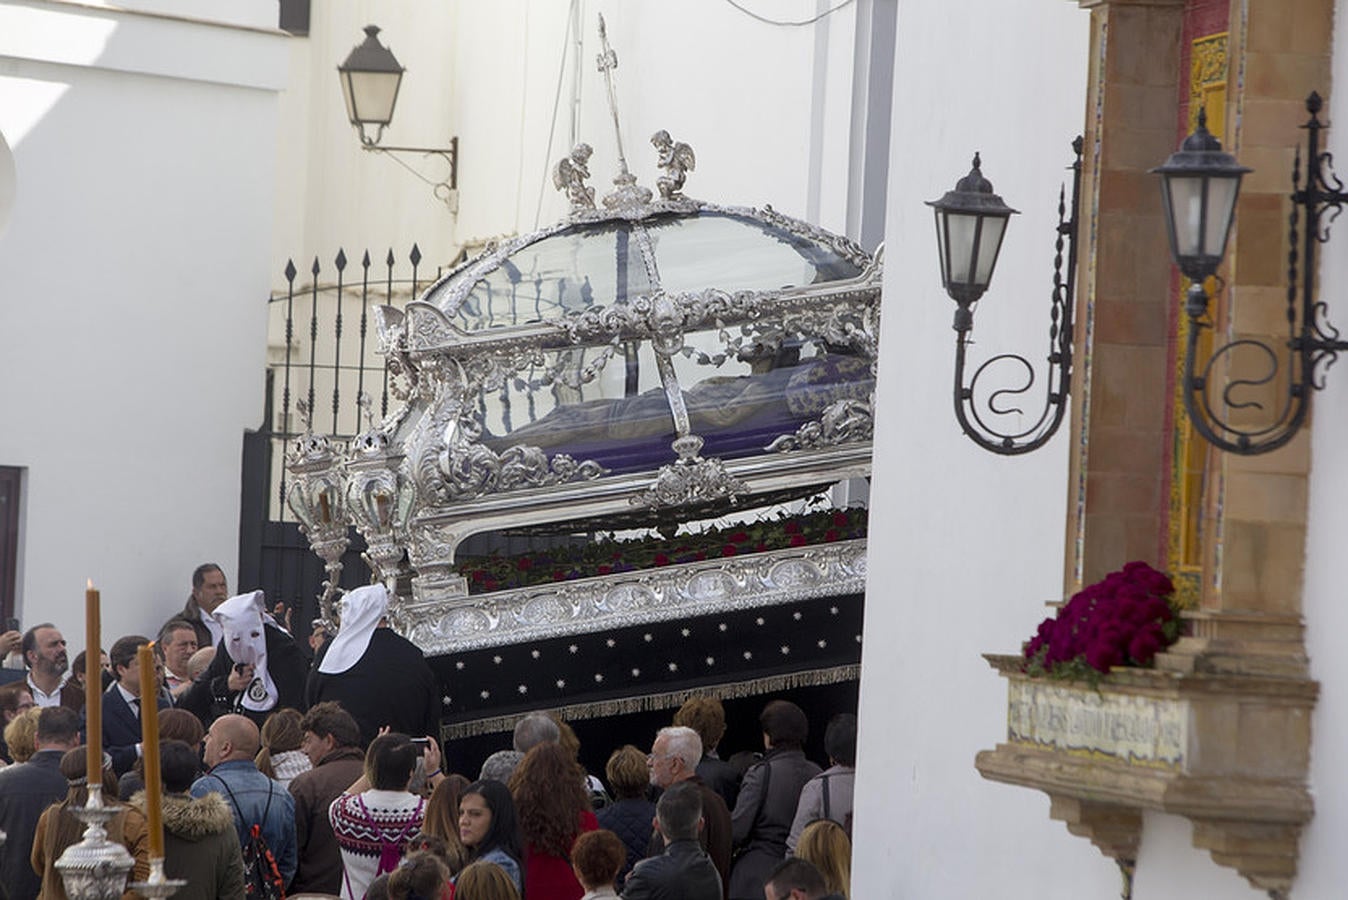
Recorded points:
371,76
1199,186
370,79
970,224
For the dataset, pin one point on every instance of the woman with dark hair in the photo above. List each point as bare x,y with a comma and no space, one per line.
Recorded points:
374,827
554,808
58,828
490,828
767,800
631,813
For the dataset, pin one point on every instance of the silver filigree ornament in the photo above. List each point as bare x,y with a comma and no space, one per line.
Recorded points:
318,500
95,868
691,479
378,509
842,422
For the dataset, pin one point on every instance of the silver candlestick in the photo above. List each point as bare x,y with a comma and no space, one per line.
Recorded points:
95,868
158,884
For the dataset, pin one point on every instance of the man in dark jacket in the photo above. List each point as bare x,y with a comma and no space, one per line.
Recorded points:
26,790
673,760
683,871
332,743
209,590
121,703
797,879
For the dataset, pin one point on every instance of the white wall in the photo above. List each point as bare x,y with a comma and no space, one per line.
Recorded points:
967,546
132,286
739,91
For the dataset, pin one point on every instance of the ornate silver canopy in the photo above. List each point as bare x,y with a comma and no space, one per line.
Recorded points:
649,359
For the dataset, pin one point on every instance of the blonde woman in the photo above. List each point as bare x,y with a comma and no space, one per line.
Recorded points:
825,843
485,881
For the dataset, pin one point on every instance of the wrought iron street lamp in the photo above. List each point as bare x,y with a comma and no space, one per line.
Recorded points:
1199,187
970,225
370,77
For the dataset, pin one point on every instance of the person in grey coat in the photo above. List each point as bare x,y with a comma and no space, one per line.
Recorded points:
828,795
766,805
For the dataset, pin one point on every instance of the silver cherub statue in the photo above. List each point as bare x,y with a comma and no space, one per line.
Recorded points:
676,158
569,176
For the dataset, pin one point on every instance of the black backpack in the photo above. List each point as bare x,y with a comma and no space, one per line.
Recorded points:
261,876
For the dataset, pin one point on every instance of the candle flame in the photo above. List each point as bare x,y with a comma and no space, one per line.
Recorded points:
90,585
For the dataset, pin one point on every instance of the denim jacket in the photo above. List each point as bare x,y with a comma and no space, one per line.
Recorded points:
250,789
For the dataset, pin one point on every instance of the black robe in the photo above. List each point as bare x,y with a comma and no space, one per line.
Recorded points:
391,684
209,697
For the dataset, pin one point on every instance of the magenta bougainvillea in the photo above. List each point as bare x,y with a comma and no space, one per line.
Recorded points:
1123,620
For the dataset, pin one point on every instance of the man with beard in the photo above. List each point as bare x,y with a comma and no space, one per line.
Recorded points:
44,652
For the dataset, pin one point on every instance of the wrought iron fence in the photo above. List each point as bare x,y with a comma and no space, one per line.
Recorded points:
324,360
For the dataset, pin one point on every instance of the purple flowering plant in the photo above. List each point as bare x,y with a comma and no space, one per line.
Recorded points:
1123,620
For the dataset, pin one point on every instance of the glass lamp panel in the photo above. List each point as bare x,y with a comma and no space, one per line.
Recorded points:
941,247
370,96
1185,195
994,229
961,231
1222,193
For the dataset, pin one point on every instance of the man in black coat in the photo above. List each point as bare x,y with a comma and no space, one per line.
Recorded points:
26,790
683,871
258,667
121,703
377,675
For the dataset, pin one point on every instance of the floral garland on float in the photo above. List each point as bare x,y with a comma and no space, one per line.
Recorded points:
608,556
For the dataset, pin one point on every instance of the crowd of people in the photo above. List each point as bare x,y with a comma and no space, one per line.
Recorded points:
334,769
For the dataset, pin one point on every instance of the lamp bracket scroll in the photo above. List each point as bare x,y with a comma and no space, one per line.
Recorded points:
971,222
1312,345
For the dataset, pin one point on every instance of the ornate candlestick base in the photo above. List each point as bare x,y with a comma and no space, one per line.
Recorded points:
158,884
95,868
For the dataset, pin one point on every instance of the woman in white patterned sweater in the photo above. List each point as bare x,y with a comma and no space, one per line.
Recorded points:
373,827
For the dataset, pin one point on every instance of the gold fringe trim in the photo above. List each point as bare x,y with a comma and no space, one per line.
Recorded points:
668,700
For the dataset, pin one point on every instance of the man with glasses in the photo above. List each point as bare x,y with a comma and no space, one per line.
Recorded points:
673,759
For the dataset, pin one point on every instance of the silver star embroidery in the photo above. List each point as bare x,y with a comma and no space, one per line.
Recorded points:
646,637
535,654
611,642
785,650
485,694
721,626
711,660
459,665
823,644
796,615
636,673
673,667
748,654
685,632
572,649
758,621
599,679
561,682
496,659
523,689
833,610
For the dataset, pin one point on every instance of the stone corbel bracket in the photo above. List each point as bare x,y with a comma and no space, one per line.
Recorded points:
1230,753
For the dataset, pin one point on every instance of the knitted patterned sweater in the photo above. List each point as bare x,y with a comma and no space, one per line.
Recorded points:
369,826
